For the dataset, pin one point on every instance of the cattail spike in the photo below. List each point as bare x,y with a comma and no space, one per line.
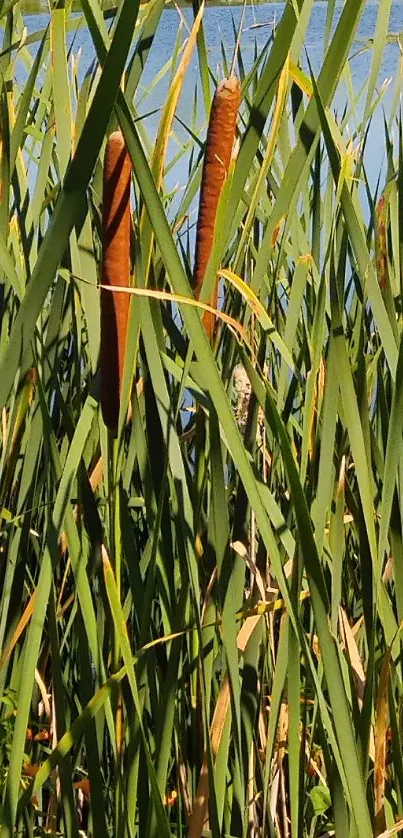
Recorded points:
217,158
115,271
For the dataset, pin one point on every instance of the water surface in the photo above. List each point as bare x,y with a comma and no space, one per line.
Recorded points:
220,25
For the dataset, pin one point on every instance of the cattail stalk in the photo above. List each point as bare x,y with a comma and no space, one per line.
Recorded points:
217,158
115,271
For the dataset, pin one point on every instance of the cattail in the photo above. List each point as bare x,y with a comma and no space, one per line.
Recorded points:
217,157
381,242
240,399
115,271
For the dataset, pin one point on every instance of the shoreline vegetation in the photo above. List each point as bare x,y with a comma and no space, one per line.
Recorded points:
42,6
110,7
201,435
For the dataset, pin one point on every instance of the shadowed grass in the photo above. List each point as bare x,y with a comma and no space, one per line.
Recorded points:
200,620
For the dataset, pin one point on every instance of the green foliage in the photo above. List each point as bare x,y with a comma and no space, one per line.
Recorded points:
200,620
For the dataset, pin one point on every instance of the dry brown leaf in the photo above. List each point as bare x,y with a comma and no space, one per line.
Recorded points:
84,786
381,725
353,653
24,619
397,827
221,711
184,786
356,663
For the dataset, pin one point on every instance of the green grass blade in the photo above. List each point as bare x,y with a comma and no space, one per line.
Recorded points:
71,202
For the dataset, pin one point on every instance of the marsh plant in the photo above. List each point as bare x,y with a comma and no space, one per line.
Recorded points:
201,600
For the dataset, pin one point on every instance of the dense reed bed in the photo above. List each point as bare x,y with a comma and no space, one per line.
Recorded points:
201,600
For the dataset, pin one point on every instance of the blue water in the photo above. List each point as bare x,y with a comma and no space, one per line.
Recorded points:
220,25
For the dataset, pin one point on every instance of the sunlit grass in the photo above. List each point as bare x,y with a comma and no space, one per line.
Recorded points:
200,620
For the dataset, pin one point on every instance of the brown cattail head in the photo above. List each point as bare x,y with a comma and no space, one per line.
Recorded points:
115,271
381,242
217,157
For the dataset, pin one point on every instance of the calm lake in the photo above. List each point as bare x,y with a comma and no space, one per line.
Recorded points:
220,23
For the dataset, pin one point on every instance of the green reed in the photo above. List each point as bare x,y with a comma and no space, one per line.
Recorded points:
200,620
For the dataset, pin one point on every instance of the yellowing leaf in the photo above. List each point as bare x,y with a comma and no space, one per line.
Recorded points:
178,298
260,313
